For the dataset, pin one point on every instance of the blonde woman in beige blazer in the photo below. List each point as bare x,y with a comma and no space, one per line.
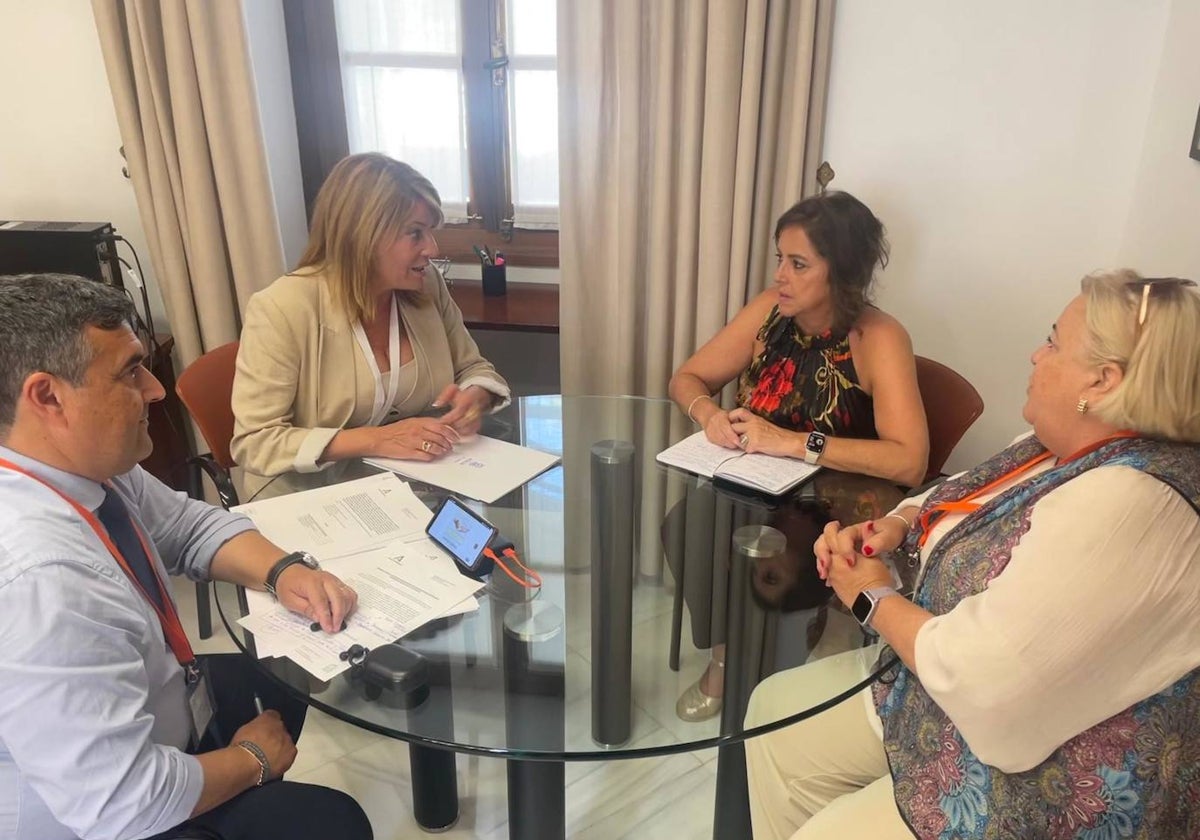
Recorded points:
338,357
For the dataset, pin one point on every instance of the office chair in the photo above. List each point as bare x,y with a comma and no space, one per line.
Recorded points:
952,405
206,389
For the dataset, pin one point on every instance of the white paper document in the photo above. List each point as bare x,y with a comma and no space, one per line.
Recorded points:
480,468
400,587
769,473
341,518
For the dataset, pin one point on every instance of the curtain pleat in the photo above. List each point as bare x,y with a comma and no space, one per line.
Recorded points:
184,93
685,129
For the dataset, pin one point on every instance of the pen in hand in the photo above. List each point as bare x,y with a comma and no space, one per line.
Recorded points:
258,706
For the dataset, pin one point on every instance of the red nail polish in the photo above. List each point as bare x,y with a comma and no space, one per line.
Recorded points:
867,550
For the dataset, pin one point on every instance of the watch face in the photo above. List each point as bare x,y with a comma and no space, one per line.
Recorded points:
861,608
815,443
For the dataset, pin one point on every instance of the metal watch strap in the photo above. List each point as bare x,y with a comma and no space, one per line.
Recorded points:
264,766
877,594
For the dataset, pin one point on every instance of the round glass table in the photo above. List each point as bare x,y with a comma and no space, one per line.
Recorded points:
645,568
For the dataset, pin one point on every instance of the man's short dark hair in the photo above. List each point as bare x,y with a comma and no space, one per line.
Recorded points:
43,320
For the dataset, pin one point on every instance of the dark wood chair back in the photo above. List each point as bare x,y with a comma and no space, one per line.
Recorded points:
952,405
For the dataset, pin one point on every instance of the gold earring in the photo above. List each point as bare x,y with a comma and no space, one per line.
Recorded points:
1081,406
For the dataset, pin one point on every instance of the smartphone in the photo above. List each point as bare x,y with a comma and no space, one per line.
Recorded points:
463,534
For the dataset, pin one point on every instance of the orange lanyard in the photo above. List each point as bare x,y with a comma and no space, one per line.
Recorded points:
168,616
968,505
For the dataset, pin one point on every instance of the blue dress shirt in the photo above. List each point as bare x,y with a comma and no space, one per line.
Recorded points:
93,716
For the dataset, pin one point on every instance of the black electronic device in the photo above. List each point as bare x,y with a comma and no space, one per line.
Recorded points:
88,249
390,674
464,535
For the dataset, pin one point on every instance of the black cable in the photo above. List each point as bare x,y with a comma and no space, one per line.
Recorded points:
141,326
141,278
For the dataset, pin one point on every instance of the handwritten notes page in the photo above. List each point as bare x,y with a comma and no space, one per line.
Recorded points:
480,468
771,474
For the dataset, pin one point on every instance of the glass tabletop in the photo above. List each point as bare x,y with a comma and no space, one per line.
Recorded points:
644,568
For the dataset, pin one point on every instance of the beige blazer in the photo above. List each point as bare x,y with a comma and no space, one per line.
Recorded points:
302,377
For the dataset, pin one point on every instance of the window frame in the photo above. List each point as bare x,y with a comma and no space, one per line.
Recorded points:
323,135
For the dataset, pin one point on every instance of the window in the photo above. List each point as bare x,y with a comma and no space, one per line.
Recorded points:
464,90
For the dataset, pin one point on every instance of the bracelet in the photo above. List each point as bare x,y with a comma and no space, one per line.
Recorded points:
692,405
264,766
907,524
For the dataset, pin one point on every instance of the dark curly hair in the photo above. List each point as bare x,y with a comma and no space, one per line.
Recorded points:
851,239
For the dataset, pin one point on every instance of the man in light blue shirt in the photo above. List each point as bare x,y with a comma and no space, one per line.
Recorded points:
98,702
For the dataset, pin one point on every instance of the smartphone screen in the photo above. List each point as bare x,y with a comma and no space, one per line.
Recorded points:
461,531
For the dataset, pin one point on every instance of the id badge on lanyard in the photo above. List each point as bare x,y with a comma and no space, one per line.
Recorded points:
201,704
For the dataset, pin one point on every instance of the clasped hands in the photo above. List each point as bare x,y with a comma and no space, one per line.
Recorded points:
427,438
848,558
745,430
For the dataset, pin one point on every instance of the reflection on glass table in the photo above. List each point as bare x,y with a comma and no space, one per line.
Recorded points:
643,567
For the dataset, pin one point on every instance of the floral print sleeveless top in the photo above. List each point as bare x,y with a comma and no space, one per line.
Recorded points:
806,383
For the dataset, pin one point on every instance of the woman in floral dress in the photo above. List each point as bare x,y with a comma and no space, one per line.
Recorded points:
824,376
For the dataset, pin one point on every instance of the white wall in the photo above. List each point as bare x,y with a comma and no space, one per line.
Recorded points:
1001,144
1162,235
59,140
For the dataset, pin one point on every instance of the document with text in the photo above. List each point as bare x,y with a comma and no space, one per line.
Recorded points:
400,587
341,518
480,468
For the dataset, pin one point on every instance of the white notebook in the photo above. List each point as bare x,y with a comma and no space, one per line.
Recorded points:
767,473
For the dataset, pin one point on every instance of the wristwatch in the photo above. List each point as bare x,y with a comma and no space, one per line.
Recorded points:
867,602
302,557
813,447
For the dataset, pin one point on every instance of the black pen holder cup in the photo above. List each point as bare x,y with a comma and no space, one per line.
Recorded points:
494,282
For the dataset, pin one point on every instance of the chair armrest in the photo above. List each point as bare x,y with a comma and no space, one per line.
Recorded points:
220,479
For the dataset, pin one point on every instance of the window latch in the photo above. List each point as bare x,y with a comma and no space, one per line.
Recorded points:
497,66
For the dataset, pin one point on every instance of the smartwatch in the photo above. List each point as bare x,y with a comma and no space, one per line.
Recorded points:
867,602
302,557
813,447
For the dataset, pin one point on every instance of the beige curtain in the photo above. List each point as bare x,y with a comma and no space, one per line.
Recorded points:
686,128
184,93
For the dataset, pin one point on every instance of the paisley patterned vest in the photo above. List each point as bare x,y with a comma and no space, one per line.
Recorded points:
1135,775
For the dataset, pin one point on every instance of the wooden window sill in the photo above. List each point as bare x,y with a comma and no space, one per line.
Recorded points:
527,307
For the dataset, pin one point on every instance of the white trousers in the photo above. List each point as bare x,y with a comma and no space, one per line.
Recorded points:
825,778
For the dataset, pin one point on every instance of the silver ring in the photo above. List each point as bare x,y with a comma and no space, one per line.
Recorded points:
426,446
743,441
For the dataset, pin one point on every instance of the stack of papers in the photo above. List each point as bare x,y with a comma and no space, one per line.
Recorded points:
371,534
480,468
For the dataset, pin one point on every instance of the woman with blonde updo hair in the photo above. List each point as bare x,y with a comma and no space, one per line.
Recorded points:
342,357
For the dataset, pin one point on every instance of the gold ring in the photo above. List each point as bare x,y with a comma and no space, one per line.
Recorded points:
426,446
743,441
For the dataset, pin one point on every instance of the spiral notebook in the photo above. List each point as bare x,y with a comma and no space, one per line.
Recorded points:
771,474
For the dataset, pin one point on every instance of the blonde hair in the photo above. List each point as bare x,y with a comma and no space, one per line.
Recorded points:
366,200
1159,395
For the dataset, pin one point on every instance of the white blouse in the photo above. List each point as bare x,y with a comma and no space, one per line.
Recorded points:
1096,610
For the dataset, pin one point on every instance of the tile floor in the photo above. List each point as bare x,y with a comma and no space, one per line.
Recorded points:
671,796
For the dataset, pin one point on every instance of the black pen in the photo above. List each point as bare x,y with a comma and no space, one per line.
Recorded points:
316,625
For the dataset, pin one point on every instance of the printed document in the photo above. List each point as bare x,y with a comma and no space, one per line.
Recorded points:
342,518
480,468
400,587
770,474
